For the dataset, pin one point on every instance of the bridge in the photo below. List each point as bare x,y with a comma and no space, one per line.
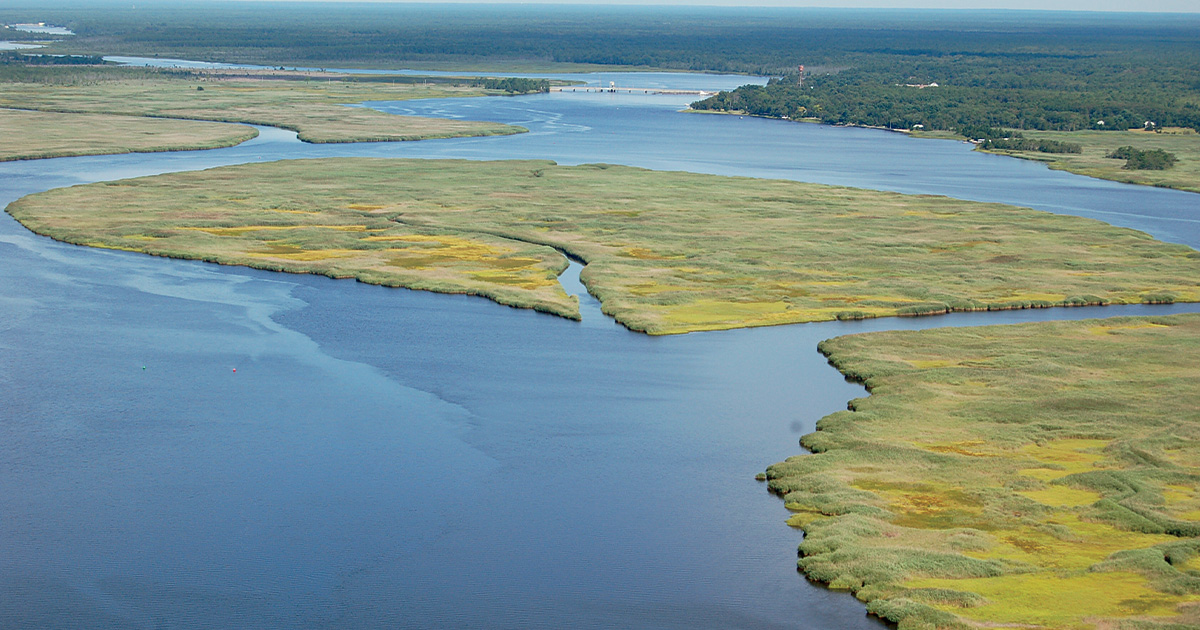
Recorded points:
629,90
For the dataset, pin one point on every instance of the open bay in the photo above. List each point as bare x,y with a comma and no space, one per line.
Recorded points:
392,458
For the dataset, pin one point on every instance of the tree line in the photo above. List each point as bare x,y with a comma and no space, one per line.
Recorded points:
1018,70
726,39
1047,94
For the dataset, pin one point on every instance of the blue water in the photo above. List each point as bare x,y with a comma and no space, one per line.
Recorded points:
41,28
389,458
653,80
17,46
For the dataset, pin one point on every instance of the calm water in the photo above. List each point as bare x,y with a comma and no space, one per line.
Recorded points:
673,80
390,458
42,28
17,46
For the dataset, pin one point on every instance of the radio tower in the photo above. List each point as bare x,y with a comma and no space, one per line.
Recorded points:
801,69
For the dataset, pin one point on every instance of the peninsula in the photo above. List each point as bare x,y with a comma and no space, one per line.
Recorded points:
1036,475
59,112
666,252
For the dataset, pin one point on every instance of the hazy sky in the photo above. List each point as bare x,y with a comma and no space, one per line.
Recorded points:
1182,6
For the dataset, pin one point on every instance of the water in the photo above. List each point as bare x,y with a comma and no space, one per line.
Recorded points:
42,28
648,131
391,458
652,80
17,46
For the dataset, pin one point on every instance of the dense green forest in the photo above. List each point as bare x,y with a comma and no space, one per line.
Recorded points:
1114,91
1089,81
1014,69
12,57
728,39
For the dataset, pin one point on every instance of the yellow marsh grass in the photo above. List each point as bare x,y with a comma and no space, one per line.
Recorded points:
244,229
336,241
704,252
1034,475
1060,601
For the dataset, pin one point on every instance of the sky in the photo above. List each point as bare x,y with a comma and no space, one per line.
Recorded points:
1158,6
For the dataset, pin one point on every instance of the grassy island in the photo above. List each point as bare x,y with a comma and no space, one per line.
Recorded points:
312,104
1037,475
27,135
666,252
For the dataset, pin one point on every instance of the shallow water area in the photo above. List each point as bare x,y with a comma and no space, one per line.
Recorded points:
649,131
649,80
17,46
42,28
391,458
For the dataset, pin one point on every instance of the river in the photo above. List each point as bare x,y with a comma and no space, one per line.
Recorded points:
185,445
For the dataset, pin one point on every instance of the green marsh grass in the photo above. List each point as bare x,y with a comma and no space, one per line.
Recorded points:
28,135
315,108
666,252
1097,145
1036,475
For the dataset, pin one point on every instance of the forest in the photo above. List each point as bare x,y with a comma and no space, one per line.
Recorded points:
12,57
1106,91
976,48
1021,70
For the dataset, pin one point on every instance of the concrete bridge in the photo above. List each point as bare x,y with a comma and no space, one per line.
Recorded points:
628,90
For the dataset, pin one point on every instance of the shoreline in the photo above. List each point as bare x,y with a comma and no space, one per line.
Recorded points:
515,130
1058,165
232,141
316,119
936,492
642,283
576,316
1049,161
726,328
276,268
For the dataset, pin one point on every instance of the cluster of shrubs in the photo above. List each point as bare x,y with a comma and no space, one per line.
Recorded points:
1028,144
26,59
1144,160
515,85
992,138
979,132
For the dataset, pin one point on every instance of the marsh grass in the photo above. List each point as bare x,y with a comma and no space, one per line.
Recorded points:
1038,474
27,135
666,252
1094,160
314,108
